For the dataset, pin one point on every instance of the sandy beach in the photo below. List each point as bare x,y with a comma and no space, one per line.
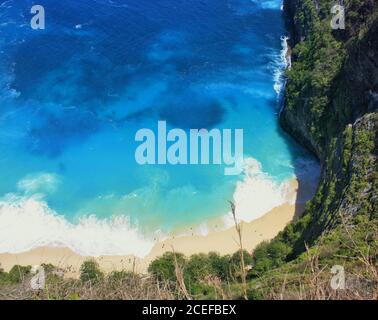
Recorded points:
223,242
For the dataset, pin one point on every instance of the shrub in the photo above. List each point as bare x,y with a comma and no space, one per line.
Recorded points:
163,268
198,267
235,263
18,273
90,272
220,265
269,255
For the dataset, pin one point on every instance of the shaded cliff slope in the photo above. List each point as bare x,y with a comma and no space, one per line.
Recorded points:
331,107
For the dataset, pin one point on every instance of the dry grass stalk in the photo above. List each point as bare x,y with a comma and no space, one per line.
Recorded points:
238,228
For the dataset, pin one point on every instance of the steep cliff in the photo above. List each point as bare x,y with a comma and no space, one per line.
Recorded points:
331,107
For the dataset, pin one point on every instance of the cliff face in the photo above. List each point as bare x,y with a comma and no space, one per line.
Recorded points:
331,107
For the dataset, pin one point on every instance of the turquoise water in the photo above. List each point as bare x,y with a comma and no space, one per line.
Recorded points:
74,95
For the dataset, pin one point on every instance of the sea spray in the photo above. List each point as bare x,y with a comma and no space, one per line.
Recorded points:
258,193
27,223
282,62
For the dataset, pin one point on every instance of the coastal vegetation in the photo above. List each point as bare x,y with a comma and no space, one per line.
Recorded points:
212,276
331,107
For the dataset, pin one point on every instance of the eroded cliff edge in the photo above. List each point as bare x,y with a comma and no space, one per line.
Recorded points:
331,104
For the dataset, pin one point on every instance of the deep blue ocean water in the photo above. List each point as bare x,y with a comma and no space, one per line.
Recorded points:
73,96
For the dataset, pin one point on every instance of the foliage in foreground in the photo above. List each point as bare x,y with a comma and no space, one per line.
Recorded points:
212,276
283,268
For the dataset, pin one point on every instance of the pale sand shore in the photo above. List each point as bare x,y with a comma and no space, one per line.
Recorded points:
223,242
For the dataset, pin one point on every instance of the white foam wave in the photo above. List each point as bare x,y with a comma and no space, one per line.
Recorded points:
258,193
27,223
281,63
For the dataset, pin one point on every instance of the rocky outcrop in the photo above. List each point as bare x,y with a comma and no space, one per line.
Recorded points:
331,107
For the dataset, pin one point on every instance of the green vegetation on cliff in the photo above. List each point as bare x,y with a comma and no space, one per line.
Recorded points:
331,107
331,104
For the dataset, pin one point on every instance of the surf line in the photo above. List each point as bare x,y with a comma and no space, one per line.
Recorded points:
196,147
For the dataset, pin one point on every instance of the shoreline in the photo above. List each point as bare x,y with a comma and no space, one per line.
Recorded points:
223,242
